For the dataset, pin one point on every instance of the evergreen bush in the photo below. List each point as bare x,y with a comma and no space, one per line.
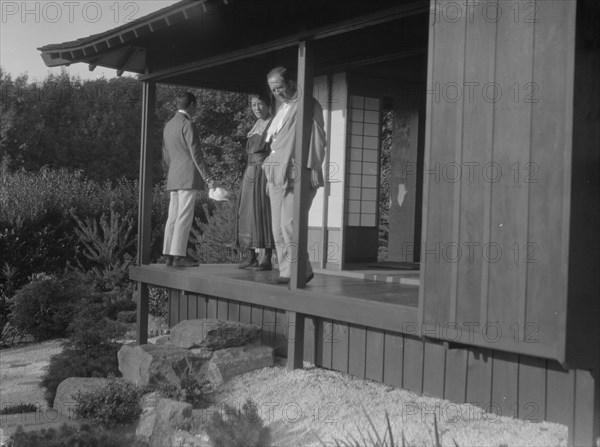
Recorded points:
127,316
45,307
213,239
116,403
108,244
8,274
190,391
90,351
37,230
67,436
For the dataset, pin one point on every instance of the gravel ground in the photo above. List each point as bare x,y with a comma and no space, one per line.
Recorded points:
313,406
21,370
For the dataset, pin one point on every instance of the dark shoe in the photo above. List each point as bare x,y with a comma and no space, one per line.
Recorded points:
309,277
265,266
281,280
168,260
250,263
181,261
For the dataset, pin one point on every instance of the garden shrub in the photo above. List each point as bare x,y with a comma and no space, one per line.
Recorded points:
213,240
116,403
190,391
67,436
19,408
109,244
90,351
122,302
238,428
8,274
45,307
37,231
127,316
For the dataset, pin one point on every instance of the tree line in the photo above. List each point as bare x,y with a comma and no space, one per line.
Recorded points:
93,126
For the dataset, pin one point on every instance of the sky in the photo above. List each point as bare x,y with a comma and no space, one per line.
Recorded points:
27,25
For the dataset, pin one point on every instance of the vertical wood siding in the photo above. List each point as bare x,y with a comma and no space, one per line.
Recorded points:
497,174
521,386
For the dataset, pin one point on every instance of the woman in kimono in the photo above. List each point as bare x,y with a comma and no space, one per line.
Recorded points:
253,207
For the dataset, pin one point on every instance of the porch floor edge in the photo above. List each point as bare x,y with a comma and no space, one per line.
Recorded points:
387,306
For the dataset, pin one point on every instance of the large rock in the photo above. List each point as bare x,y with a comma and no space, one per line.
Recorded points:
64,401
167,362
213,334
163,339
145,426
230,362
171,415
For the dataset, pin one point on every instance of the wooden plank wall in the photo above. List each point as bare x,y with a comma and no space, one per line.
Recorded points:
497,172
525,387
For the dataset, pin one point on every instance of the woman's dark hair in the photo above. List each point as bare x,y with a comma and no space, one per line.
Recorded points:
185,100
263,96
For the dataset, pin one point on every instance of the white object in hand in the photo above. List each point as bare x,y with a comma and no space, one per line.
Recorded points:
218,194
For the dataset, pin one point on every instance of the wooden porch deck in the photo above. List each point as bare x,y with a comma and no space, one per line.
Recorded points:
389,305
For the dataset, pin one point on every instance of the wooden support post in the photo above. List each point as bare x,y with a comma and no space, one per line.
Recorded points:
142,313
302,181
323,252
295,351
145,203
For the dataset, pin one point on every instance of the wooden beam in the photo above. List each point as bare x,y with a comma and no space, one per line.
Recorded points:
332,298
121,67
327,186
353,24
302,192
376,60
146,161
142,298
145,202
295,335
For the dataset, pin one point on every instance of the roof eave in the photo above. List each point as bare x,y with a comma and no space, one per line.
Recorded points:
83,50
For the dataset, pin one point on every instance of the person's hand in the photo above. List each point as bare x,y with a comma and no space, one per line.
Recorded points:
314,179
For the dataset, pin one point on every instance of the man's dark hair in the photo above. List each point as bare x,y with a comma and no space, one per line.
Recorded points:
185,100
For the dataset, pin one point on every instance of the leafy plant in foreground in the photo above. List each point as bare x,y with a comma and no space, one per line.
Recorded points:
235,428
90,351
66,436
116,403
375,439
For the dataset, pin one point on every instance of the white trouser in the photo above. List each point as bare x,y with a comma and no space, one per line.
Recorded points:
282,217
179,222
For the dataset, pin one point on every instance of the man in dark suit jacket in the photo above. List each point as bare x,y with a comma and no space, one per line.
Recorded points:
186,176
